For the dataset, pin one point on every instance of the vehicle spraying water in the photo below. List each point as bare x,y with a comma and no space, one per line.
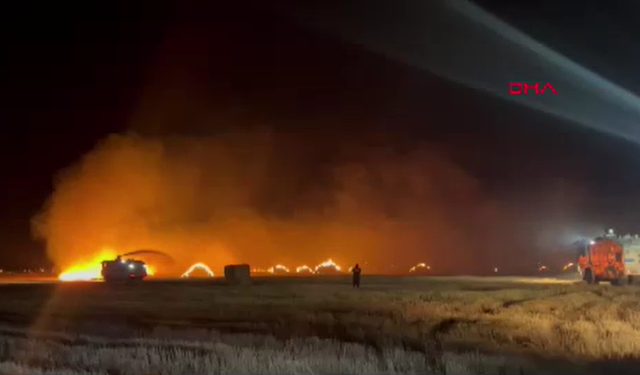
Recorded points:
130,269
108,265
149,252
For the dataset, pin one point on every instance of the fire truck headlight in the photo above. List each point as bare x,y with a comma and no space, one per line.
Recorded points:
131,266
592,242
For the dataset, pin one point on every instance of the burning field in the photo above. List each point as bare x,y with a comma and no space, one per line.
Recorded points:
203,203
244,198
92,270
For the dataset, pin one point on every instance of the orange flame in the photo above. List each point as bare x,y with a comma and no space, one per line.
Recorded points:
196,266
88,270
419,265
328,263
278,267
567,266
304,268
92,270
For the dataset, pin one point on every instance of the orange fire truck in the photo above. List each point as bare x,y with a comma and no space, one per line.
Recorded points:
609,258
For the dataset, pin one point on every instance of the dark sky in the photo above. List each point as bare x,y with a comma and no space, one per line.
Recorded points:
69,81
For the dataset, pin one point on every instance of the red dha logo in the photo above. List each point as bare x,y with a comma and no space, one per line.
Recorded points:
523,88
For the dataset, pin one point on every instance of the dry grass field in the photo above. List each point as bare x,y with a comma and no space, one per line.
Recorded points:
320,326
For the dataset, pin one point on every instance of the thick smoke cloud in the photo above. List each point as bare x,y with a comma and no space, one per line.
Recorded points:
294,196
245,198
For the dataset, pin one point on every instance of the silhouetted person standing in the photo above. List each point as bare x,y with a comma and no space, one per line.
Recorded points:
356,276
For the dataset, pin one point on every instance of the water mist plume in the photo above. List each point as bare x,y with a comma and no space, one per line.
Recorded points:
463,43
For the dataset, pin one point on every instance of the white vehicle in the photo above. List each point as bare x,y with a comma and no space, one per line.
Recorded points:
631,252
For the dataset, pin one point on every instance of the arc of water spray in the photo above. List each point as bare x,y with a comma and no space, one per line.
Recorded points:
460,41
149,252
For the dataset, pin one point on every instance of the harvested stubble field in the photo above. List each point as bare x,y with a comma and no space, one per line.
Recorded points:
320,326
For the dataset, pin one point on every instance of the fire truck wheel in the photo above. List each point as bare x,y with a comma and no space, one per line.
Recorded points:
588,277
630,280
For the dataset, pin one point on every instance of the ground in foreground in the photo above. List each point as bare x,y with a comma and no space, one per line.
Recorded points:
320,325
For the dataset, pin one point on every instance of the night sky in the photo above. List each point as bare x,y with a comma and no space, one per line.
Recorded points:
70,81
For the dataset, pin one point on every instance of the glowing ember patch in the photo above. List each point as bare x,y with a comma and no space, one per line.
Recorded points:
197,266
567,266
277,268
418,266
328,264
81,274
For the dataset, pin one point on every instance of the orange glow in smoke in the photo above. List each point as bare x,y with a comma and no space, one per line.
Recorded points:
200,266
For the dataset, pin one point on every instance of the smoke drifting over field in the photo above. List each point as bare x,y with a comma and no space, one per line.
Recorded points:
293,197
246,198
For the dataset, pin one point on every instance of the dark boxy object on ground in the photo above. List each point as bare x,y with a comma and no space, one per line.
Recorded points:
120,270
237,274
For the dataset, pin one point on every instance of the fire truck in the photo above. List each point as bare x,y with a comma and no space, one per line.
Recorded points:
609,258
119,270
